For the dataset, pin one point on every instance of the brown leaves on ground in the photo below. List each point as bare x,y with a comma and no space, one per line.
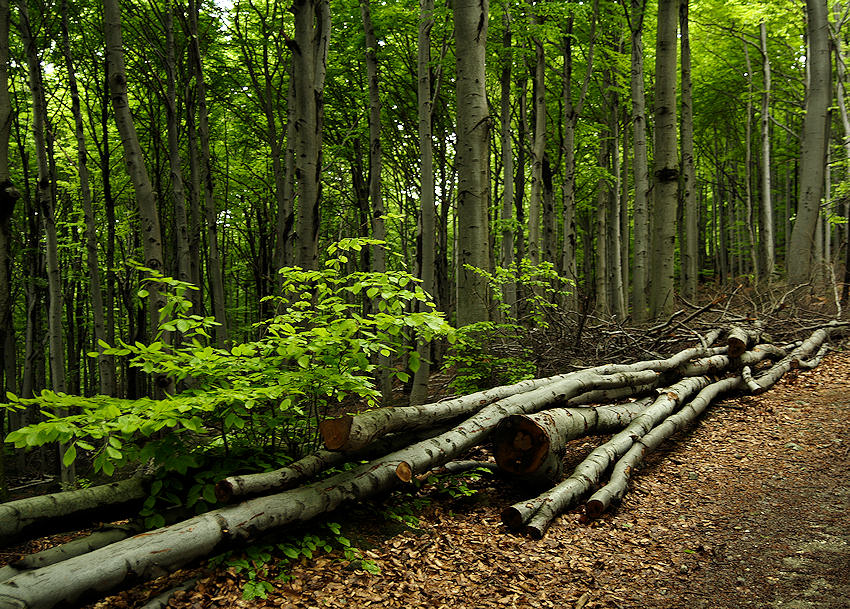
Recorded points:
747,509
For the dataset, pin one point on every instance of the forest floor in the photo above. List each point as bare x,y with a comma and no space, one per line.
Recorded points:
750,508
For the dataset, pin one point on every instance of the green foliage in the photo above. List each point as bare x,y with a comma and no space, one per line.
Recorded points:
487,355
538,289
456,485
261,563
269,394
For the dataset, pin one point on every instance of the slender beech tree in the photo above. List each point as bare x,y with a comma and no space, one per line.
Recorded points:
473,159
379,231
538,146
310,55
640,162
766,232
46,209
134,160
572,111
814,144
214,265
8,197
105,363
749,215
690,256
507,213
427,209
665,162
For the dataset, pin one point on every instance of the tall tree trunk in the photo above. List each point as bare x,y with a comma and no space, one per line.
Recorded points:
309,50
665,163
214,263
690,262
178,190
814,142
133,157
615,252
45,204
507,216
640,164
749,220
379,231
572,111
603,194
766,233
473,160
427,210
105,364
538,147
8,197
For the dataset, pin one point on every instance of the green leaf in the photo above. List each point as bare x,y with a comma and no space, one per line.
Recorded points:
69,455
414,361
209,494
143,293
304,361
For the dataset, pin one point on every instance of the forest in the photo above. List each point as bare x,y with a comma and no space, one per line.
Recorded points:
226,226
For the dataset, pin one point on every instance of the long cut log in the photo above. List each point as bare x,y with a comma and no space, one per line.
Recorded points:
616,487
540,511
355,432
57,509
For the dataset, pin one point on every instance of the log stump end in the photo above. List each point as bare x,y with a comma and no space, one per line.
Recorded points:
335,432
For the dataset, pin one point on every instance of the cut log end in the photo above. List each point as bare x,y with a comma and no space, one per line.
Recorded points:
519,445
404,472
534,531
224,491
594,508
335,432
512,518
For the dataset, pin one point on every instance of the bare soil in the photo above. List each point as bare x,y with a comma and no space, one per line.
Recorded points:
747,509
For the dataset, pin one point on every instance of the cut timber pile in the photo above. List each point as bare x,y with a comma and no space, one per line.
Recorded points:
528,423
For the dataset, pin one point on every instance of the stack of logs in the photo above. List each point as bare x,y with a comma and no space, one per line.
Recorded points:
529,425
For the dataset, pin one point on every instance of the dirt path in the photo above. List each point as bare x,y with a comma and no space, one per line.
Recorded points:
748,509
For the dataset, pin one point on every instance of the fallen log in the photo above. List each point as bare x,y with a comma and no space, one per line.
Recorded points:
740,339
310,466
354,432
539,511
76,547
531,447
801,353
616,487
58,510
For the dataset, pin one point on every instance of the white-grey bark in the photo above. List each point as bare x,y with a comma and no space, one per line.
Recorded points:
640,165
665,163
814,142
766,232
507,215
309,49
690,257
427,195
538,147
472,160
